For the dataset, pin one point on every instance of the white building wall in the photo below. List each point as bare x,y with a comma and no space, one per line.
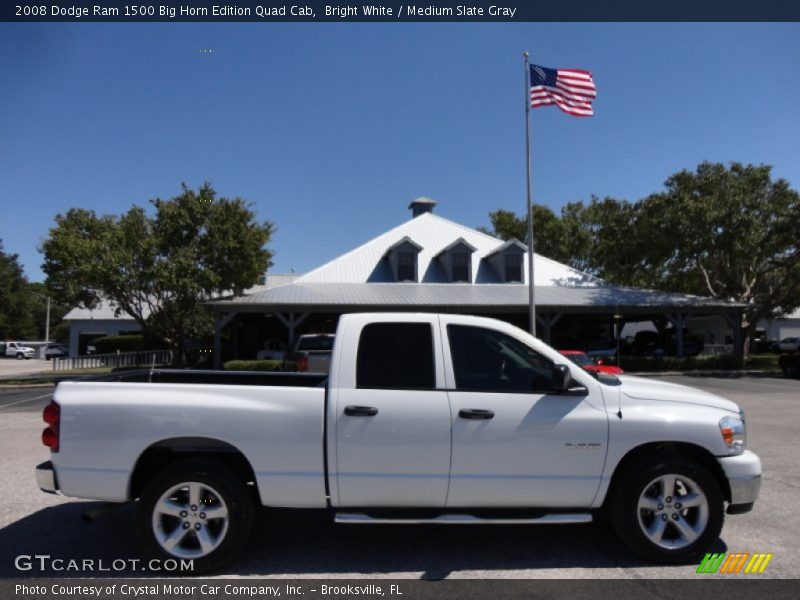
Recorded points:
97,327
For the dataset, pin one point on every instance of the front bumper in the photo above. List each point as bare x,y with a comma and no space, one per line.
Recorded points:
46,478
744,477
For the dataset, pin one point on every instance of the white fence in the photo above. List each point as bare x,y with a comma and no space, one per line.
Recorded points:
716,349
118,359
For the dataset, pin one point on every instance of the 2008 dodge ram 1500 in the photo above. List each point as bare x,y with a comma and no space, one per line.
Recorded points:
423,419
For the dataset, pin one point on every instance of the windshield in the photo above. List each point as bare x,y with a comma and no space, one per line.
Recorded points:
579,359
323,342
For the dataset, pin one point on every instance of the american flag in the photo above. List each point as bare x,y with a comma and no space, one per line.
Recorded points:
572,90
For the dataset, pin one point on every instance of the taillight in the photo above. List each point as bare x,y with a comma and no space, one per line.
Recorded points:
302,364
52,416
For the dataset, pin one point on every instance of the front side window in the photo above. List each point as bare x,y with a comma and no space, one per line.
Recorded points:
485,360
514,267
396,356
406,267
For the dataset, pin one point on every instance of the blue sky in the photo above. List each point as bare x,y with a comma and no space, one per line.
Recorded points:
331,129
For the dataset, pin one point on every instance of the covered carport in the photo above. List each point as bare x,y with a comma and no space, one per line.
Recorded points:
296,305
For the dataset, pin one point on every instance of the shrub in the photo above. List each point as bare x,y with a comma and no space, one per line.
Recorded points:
762,361
124,343
256,365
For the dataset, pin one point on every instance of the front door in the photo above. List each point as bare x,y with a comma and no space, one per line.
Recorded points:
515,442
393,425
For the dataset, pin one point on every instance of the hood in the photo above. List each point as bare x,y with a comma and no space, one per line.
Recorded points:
661,391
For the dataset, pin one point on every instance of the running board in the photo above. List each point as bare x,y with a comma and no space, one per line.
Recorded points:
458,519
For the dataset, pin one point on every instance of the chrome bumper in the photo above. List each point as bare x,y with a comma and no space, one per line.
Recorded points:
744,477
46,477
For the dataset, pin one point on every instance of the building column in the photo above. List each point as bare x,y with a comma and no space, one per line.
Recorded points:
291,320
735,321
74,339
678,321
221,319
547,320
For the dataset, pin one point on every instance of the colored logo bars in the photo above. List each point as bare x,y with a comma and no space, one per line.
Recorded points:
735,562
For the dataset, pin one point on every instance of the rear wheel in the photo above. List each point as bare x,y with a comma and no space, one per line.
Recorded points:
196,510
667,509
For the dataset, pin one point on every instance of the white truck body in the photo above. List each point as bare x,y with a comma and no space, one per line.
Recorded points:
18,350
431,448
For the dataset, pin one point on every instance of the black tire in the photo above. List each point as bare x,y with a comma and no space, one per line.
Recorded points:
218,481
20,356
629,521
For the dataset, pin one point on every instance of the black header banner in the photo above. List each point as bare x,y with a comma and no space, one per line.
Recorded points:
506,11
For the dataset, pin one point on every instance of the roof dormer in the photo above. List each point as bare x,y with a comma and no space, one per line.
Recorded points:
456,260
402,257
508,261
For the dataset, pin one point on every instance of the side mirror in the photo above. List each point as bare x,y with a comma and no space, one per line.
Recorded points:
561,378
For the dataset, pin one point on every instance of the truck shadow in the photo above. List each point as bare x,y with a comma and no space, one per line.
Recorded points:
298,543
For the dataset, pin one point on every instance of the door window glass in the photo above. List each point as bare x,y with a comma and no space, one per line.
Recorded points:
485,360
396,356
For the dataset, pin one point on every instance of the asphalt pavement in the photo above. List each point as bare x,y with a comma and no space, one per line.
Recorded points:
11,367
304,544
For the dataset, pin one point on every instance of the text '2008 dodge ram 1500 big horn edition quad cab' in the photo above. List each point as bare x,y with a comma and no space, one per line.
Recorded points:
423,419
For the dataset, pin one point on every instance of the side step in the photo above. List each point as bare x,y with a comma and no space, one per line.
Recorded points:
461,519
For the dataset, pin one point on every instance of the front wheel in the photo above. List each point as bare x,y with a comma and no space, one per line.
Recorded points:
20,356
196,510
667,509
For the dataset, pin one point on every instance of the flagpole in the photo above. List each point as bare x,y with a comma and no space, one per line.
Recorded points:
529,189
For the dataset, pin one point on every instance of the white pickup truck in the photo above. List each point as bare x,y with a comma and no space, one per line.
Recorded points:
18,350
423,418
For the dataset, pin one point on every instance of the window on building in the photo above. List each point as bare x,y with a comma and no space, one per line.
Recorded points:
396,356
514,267
406,266
485,360
460,266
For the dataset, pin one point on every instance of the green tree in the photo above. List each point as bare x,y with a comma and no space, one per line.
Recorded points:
547,228
726,232
37,303
731,233
159,269
584,236
16,321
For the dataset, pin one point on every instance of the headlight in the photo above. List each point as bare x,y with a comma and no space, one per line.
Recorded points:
733,433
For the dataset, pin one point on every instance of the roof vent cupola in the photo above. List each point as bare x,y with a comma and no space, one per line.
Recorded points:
421,206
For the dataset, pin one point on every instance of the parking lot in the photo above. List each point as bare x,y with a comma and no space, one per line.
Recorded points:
11,367
302,544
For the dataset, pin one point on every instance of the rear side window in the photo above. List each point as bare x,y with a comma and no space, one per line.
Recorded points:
396,356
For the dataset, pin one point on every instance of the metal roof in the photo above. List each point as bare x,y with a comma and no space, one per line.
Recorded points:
337,296
104,311
433,234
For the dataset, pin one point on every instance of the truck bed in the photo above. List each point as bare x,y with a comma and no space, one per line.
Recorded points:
262,378
275,420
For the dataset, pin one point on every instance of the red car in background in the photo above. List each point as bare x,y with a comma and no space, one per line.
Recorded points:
580,358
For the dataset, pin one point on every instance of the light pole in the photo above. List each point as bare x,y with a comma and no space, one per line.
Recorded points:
617,318
47,321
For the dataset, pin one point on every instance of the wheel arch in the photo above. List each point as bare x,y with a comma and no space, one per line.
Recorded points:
685,449
160,455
